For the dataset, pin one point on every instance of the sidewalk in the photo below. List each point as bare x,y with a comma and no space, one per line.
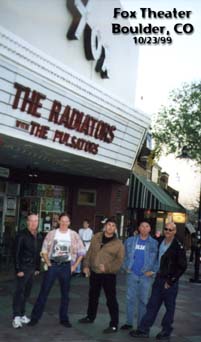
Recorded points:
187,319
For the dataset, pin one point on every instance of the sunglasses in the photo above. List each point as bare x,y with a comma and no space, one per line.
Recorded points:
168,230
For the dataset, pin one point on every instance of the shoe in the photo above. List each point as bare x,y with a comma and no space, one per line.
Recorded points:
138,333
32,323
163,336
66,324
16,323
24,319
110,330
85,320
126,327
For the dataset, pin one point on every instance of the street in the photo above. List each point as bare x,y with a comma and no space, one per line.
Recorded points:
187,319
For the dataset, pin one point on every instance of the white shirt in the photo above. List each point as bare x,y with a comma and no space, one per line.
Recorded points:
61,246
86,235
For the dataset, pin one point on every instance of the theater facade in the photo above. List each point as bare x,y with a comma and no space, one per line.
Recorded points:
69,129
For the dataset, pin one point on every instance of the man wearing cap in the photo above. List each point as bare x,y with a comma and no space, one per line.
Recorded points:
171,265
139,263
102,262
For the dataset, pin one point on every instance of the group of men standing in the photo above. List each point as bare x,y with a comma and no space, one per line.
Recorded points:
153,268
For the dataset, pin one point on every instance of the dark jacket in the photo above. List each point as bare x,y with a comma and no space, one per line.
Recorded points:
27,251
173,262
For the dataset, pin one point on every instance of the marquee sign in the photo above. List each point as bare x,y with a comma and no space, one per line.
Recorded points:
31,102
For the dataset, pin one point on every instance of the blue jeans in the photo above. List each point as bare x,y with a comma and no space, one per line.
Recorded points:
138,292
160,295
63,273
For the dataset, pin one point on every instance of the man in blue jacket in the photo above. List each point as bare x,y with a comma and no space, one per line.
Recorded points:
139,263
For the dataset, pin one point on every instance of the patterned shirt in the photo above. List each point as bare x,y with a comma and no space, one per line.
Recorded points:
76,248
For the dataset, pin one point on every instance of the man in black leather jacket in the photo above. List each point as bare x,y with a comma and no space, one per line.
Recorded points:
172,264
27,264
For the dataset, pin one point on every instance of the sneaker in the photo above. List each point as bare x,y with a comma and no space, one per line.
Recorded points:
16,323
32,323
66,324
85,320
24,319
110,330
138,333
126,327
163,336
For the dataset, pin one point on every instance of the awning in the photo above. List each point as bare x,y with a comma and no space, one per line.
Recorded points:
190,228
145,194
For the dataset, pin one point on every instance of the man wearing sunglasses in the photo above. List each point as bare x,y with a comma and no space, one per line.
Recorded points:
172,264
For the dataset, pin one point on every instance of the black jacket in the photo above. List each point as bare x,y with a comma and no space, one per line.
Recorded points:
27,251
173,262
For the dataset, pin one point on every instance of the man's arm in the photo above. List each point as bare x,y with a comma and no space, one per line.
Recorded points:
46,258
44,250
86,262
181,265
87,259
38,256
18,247
153,265
78,261
126,255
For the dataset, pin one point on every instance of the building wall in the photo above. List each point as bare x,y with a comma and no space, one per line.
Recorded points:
139,170
111,200
119,199
44,25
103,193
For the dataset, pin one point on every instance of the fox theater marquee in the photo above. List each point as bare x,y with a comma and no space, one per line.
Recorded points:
69,131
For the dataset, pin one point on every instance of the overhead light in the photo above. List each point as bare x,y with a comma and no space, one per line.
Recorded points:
32,173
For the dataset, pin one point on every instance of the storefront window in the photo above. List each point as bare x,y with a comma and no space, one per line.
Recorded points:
87,197
159,225
2,187
46,200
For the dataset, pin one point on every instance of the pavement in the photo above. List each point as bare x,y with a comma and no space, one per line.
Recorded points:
187,326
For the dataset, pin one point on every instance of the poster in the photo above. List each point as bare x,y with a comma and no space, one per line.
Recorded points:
11,206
